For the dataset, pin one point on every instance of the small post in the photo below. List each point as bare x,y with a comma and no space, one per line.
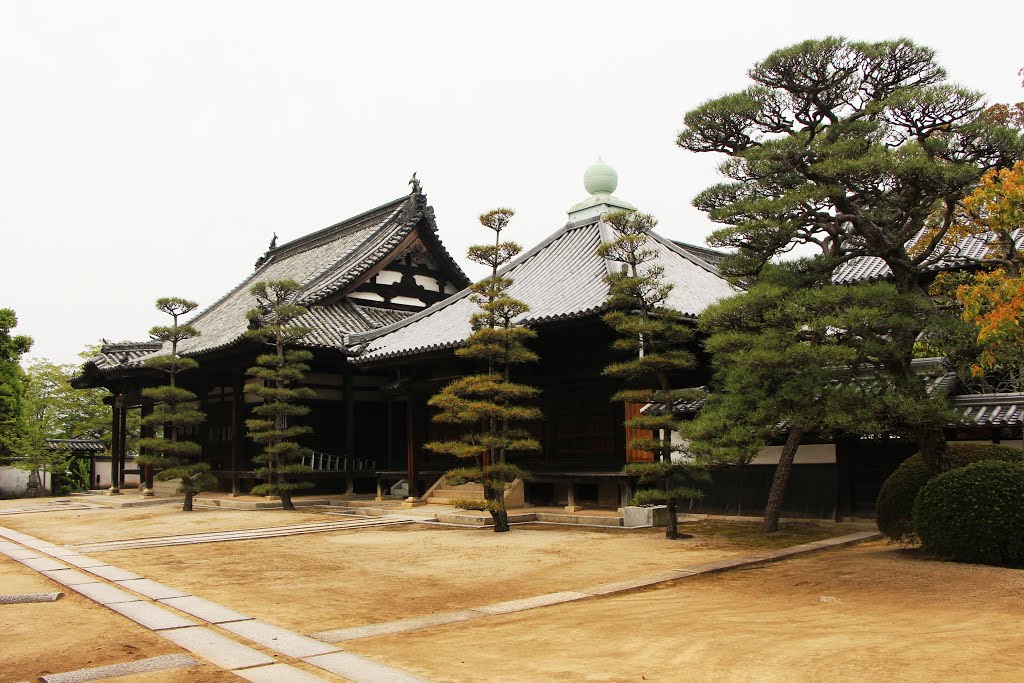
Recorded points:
147,432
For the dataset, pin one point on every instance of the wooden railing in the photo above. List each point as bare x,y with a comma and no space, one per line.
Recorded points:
319,461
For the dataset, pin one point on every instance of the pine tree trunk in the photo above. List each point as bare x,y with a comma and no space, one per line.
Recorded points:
499,515
781,479
187,505
931,441
500,518
286,500
672,528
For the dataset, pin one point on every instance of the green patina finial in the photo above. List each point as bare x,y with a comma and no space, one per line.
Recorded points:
600,178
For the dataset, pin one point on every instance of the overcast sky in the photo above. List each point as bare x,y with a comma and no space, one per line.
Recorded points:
151,149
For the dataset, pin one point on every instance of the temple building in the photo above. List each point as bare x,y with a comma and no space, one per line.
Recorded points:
388,307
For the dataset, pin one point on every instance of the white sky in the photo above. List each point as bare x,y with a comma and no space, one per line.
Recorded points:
151,149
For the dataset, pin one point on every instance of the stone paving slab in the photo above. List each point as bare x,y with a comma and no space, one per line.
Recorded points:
113,573
531,603
152,589
278,673
60,551
70,577
205,610
19,553
220,650
103,594
81,561
361,669
140,666
41,564
278,639
397,626
45,546
151,616
19,598
633,584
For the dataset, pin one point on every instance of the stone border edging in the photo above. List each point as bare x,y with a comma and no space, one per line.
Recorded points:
416,623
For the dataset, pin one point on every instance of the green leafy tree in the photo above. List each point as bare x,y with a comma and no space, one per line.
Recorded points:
655,335
795,357
489,406
852,149
175,409
53,409
12,385
273,379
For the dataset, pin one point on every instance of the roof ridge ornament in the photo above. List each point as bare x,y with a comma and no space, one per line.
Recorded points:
600,180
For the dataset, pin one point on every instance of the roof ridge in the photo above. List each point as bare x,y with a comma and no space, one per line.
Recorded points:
306,241
362,337
685,254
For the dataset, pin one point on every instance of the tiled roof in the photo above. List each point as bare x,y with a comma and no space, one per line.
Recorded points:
127,353
710,256
332,323
76,445
874,268
560,279
317,262
991,410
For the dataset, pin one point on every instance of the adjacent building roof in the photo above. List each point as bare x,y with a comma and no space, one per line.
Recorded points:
708,255
991,410
971,247
560,279
83,446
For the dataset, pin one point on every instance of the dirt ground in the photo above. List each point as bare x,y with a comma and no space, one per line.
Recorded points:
75,633
868,613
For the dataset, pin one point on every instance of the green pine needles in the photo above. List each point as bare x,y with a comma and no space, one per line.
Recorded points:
489,406
655,335
274,379
175,410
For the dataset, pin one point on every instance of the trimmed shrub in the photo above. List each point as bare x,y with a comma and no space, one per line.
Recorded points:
895,507
974,514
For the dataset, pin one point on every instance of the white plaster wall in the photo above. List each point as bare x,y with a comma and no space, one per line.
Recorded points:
388,277
14,482
809,454
426,282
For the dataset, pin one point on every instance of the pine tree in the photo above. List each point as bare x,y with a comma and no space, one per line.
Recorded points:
851,149
175,410
274,379
795,356
655,335
489,405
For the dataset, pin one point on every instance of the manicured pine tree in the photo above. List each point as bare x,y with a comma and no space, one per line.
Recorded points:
489,406
274,379
655,335
795,356
175,409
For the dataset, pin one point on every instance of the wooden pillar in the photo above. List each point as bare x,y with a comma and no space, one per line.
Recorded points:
115,444
349,404
147,432
410,440
570,503
237,406
625,491
390,432
123,450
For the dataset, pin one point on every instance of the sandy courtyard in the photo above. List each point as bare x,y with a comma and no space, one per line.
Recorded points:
887,612
893,615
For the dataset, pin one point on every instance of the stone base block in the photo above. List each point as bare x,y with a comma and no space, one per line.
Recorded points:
634,516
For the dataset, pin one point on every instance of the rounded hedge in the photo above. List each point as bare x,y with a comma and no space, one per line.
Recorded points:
974,514
895,506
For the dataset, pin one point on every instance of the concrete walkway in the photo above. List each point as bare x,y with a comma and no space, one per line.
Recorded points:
213,632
